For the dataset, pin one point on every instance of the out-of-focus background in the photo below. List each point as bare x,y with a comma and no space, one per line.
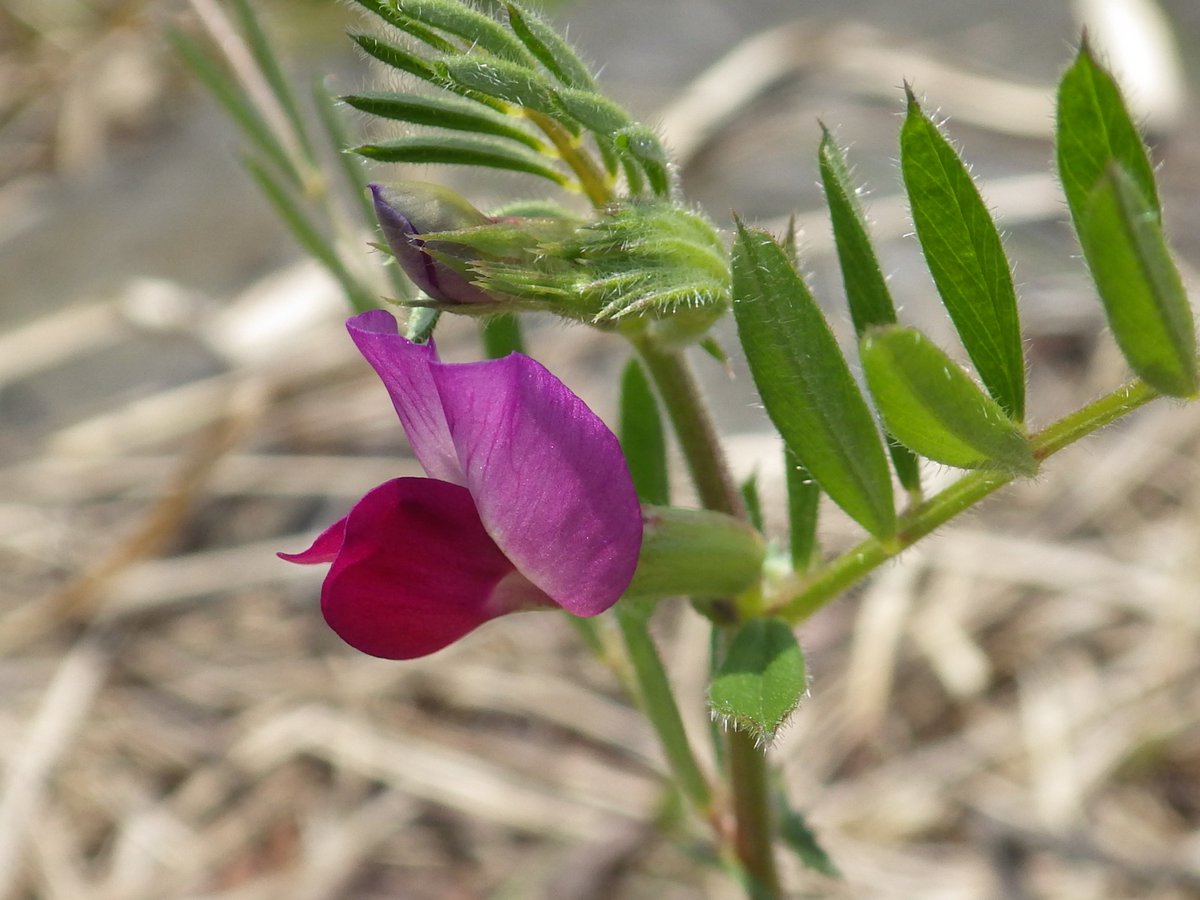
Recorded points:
1012,710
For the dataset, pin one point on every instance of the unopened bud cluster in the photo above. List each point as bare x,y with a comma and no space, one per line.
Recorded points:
637,262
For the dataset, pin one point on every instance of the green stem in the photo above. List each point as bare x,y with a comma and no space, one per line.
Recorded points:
702,450
658,703
705,457
812,590
595,185
752,811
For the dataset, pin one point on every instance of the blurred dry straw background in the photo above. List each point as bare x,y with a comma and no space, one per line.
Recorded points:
1010,711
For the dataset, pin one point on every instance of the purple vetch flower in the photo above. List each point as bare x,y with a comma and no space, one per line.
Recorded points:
529,504
414,208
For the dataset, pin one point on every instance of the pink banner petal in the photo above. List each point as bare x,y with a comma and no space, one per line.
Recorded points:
548,477
404,369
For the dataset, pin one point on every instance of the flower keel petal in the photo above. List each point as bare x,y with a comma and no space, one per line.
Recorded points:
324,549
417,571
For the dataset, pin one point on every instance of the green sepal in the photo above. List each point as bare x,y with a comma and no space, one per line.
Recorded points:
501,335
695,553
643,438
934,407
964,254
805,383
713,348
761,680
421,323
508,237
1094,127
1144,297
644,259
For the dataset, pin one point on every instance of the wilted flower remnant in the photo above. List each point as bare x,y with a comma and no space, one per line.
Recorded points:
529,504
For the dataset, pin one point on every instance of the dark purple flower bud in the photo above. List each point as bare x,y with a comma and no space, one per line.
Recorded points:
414,208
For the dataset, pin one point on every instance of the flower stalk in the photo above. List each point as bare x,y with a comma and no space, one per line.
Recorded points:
693,424
658,704
752,837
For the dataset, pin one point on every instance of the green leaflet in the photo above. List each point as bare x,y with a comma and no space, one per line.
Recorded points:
388,12
805,383
307,235
504,80
642,437
866,288
761,680
1094,127
559,58
593,111
1143,295
965,257
752,500
1109,184
396,56
472,26
867,292
444,112
934,407
803,498
643,145
236,106
268,63
464,151
797,835
519,68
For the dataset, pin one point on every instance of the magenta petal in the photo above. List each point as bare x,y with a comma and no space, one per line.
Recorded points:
548,477
324,549
404,369
417,571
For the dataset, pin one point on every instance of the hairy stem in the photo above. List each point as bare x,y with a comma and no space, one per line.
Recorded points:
811,590
658,703
702,450
597,187
747,765
752,812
